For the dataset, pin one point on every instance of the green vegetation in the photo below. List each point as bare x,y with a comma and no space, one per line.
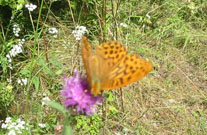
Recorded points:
38,47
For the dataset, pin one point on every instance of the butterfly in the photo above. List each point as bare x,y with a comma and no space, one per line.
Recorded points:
111,67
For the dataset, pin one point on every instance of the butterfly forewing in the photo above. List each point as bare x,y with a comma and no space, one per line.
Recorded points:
86,55
109,55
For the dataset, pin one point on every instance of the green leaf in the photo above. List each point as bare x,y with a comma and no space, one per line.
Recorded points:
25,72
110,96
36,82
21,1
113,109
59,72
48,70
57,106
41,62
19,6
67,130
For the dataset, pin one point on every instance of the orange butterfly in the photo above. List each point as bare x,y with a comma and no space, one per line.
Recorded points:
111,66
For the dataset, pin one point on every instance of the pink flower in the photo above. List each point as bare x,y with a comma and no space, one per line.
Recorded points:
76,92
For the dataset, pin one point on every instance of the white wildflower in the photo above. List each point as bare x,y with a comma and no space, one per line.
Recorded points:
53,31
143,26
16,30
21,124
14,126
9,80
10,66
15,50
21,41
79,32
44,100
42,125
171,100
12,132
55,36
8,120
25,81
4,125
31,7
22,81
9,58
19,81
148,16
123,25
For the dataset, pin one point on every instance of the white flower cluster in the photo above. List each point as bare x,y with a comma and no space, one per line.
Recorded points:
22,81
123,25
16,30
14,126
16,49
53,31
79,32
31,7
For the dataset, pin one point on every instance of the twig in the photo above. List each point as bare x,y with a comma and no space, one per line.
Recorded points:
100,21
71,12
104,116
104,19
43,35
30,16
122,99
86,14
2,29
114,14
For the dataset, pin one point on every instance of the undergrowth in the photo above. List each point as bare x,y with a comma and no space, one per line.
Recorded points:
38,48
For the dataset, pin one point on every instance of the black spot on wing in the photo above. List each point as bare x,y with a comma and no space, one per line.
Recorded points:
121,80
117,56
111,46
129,78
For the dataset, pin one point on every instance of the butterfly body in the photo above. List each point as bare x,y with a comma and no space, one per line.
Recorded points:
111,67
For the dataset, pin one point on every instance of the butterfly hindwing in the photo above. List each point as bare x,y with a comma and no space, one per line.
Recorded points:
129,70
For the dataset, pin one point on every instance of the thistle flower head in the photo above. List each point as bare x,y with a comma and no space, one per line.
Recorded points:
76,93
